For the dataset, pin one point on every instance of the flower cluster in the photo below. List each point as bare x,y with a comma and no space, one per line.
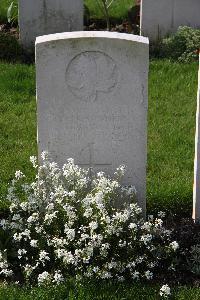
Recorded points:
4,266
66,223
165,291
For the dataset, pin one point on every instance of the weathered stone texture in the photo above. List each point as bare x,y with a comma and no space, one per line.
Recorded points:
162,17
41,17
92,101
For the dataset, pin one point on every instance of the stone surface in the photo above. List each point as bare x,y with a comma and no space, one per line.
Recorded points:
92,101
162,17
40,17
196,187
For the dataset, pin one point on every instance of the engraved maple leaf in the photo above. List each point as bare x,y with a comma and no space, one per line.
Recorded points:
90,73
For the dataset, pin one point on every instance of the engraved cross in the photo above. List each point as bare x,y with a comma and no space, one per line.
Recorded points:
91,163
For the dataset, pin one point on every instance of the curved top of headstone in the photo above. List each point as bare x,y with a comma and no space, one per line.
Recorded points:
91,34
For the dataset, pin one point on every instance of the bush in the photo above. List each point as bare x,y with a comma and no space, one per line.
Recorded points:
183,46
66,224
10,49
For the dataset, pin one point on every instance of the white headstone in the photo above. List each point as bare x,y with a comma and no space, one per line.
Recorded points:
162,17
92,101
196,187
40,17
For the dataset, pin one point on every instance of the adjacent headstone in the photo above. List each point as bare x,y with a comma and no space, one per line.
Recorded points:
92,101
196,187
40,17
160,18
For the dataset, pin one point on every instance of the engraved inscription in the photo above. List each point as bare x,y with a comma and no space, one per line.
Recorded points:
90,73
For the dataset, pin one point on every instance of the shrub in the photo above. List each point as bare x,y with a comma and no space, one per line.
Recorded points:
183,46
10,49
66,223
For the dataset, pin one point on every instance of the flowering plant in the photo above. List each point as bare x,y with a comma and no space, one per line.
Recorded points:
68,224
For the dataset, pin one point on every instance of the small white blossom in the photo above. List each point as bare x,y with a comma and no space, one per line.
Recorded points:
93,225
148,274
19,175
58,277
161,214
21,252
174,245
135,275
133,226
34,243
165,291
33,160
43,277
44,155
146,238
43,255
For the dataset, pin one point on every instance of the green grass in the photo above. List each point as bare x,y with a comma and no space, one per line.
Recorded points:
91,291
17,120
4,4
171,129
118,10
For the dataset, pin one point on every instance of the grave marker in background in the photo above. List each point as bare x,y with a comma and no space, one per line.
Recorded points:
162,17
41,17
92,101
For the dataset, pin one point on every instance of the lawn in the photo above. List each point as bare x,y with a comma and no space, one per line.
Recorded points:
4,4
106,291
171,129
118,10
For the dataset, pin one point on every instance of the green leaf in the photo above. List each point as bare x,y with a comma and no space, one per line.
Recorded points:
9,12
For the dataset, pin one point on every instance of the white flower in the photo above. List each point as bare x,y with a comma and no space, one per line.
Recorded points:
43,255
23,205
158,223
43,277
95,269
72,194
17,237
7,272
161,214
16,217
165,291
33,243
93,225
135,275
132,226
19,175
58,277
44,155
106,275
38,229
148,274
49,217
88,212
146,226
70,233
33,218
21,252
33,160
28,269
146,238
174,245
120,171
3,223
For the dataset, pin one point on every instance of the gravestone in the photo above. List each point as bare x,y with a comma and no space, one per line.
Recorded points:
40,17
196,187
92,101
160,18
